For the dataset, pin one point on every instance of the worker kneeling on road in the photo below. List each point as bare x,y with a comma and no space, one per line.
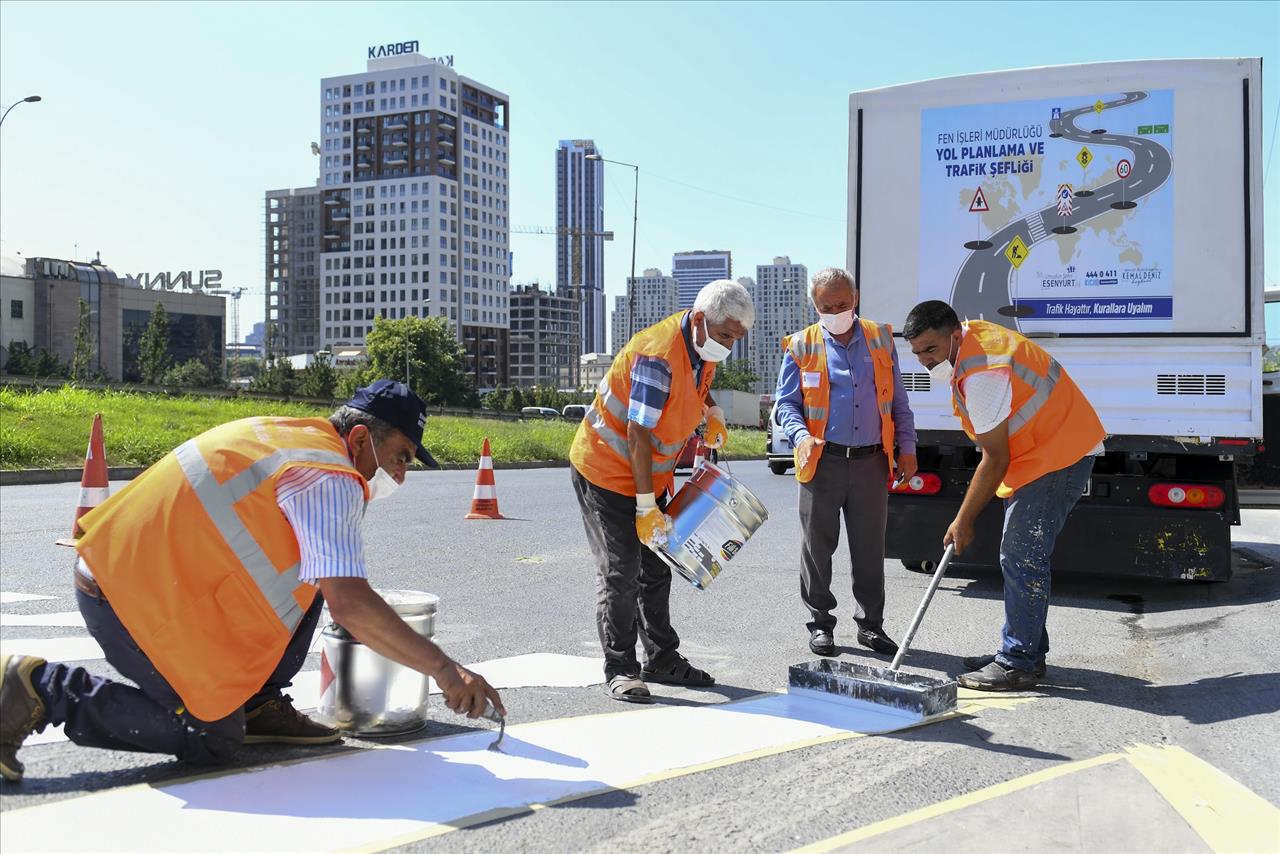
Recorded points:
1038,435
199,580
624,454
842,403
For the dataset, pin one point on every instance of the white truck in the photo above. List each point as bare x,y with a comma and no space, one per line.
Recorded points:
1112,212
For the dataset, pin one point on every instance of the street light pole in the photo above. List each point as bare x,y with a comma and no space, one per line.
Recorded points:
30,99
635,217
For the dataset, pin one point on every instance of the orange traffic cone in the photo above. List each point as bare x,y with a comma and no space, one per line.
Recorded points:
94,488
699,454
484,501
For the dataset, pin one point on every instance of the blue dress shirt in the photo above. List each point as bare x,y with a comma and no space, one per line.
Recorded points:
852,418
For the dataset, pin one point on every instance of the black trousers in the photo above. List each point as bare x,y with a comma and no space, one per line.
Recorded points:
633,585
100,712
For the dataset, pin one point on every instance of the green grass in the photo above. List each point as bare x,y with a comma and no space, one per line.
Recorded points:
49,428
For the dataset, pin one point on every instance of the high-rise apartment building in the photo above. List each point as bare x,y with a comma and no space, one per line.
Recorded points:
742,347
655,298
292,265
579,240
544,337
783,307
692,270
414,190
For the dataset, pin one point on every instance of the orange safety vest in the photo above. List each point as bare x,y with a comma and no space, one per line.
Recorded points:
599,450
809,350
1051,423
200,563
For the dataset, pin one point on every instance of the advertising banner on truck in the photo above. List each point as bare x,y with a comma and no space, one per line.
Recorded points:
1024,215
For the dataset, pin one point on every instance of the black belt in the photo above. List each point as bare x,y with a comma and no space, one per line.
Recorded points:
847,452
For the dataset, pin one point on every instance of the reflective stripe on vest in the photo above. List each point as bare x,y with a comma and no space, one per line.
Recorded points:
1041,387
219,500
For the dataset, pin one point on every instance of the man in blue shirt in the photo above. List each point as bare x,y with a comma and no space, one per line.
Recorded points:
852,473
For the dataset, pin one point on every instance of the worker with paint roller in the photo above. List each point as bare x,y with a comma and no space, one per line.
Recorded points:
203,581
841,401
1038,435
624,454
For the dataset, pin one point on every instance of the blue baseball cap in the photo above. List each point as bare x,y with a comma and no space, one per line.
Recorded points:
397,405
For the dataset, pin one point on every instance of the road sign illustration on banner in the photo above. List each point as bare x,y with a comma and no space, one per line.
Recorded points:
1084,157
1123,169
1098,107
1016,251
979,206
1064,209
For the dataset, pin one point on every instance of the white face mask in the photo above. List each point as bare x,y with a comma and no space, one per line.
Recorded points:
942,372
382,484
710,350
838,324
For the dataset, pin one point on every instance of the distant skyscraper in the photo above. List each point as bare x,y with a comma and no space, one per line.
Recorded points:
292,270
579,221
544,337
655,298
783,308
742,347
413,190
692,270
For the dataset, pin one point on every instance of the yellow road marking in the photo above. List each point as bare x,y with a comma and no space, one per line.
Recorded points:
957,803
1227,815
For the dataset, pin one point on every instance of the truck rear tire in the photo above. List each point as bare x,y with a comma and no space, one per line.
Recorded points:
779,467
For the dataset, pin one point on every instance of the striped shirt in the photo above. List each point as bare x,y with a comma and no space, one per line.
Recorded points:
325,509
651,383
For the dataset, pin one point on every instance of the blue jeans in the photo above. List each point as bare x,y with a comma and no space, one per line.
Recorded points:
1033,518
100,712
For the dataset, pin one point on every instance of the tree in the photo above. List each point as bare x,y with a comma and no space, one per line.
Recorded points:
48,365
497,400
276,377
193,373
319,379
735,375
437,360
250,366
21,360
153,349
517,399
82,354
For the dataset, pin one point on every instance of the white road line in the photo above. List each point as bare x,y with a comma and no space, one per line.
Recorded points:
63,619
54,649
981,278
7,598
1135,183
1151,167
413,791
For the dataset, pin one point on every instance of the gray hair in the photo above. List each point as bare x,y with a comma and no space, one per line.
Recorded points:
347,418
723,300
830,276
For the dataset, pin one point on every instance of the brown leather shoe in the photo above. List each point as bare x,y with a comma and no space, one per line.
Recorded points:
21,710
278,722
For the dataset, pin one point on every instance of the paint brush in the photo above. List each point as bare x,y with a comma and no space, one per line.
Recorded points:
501,720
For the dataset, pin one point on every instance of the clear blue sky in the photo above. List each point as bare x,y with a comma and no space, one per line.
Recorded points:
163,123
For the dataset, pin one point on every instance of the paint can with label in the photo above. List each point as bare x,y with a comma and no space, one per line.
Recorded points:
363,693
712,517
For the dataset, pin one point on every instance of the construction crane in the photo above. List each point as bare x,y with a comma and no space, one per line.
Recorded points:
577,234
234,293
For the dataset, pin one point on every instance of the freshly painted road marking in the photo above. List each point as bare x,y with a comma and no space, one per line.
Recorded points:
6,597
402,793
63,619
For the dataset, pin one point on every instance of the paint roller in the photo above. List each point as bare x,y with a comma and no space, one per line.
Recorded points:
917,696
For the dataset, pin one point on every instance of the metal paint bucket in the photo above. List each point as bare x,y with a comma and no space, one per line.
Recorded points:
361,692
713,515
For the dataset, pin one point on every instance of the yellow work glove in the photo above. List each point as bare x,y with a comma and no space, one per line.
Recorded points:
717,432
652,524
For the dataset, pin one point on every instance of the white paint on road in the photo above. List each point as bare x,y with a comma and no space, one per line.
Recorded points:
54,649
396,794
981,278
7,598
63,619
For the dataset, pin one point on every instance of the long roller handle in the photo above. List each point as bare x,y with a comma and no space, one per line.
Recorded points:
924,605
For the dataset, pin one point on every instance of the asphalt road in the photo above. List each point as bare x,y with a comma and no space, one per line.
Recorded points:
983,286
1134,662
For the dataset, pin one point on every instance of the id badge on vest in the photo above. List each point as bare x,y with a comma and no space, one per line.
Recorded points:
810,379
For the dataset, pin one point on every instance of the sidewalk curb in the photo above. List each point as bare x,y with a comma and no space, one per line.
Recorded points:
33,477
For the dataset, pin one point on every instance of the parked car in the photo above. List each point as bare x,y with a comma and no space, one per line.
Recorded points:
539,412
575,411
778,449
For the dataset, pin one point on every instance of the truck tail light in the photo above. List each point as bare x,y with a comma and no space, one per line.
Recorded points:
922,483
1192,496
